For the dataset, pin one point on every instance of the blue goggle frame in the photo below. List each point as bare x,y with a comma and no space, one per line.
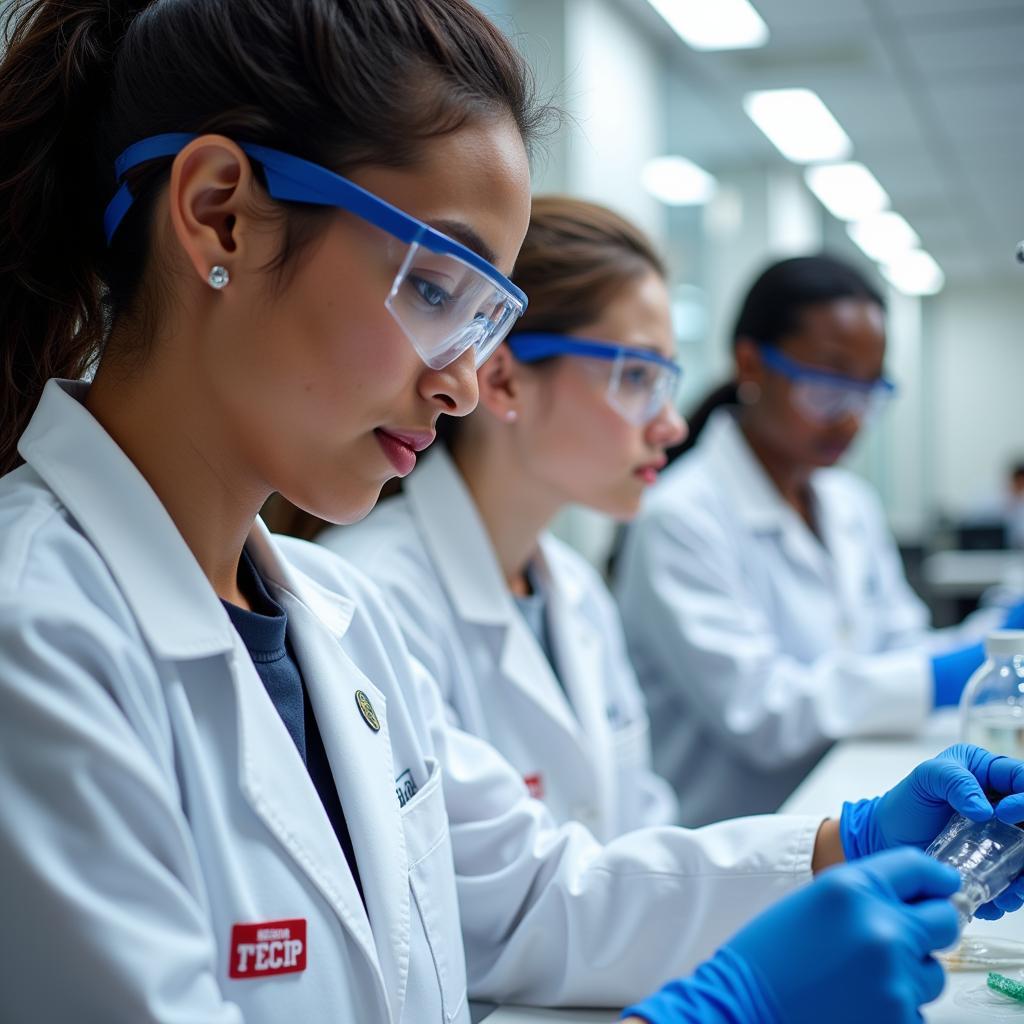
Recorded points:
639,406
795,371
292,179
532,346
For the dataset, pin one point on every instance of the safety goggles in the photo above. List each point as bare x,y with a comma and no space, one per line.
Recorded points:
823,396
640,383
445,297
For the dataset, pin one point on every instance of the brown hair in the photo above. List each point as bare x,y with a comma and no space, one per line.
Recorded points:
576,257
338,82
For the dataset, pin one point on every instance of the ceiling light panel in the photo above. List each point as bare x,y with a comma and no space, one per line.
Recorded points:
714,24
884,236
799,125
849,191
676,181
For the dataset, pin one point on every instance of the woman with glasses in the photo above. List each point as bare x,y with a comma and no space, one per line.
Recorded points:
260,245
763,596
521,633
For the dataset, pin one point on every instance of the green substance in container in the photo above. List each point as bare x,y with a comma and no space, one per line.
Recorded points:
1008,987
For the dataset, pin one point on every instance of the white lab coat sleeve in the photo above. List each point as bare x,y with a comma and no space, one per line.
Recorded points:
104,913
693,622
550,917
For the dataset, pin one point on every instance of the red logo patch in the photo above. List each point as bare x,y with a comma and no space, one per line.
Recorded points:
273,947
535,784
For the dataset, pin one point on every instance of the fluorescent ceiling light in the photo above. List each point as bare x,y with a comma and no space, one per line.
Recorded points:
884,236
915,273
799,125
848,191
676,181
714,24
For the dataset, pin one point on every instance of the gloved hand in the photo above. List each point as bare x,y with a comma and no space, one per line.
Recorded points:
950,672
915,811
1014,617
853,946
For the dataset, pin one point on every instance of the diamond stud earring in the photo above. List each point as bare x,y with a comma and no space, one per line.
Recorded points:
218,278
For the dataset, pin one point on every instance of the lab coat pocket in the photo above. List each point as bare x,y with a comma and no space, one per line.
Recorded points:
432,878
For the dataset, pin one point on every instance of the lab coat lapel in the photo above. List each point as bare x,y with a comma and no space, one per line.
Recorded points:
277,786
578,651
462,553
524,666
361,760
757,500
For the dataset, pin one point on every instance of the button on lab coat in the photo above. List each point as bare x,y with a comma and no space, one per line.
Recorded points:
585,748
152,798
756,643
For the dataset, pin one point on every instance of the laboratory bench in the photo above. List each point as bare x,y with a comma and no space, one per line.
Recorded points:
852,769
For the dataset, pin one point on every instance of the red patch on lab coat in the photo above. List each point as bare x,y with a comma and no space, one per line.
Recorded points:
535,784
273,947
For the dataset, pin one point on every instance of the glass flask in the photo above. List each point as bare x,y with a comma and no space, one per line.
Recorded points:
992,705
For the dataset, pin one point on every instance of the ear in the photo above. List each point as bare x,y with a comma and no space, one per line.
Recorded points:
211,181
749,365
500,380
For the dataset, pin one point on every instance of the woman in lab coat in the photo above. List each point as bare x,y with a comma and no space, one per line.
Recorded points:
220,768
763,597
517,628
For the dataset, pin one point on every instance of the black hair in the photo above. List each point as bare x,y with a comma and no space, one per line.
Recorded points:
772,311
339,82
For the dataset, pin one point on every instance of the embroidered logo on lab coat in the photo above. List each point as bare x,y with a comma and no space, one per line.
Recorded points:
366,710
273,947
405,788
535,784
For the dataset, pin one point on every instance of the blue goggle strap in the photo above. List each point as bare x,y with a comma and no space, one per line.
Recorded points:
292,179
531,346
794,370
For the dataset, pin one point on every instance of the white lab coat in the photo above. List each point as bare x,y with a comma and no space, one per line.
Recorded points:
585,749
153,800
756,643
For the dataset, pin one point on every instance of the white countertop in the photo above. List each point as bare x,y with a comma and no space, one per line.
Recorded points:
849,771
862,768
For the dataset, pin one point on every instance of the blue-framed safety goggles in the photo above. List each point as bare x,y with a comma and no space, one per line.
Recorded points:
445,297
640,383
824,396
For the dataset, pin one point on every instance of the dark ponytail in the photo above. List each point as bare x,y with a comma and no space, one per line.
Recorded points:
772,311
340,83
55,75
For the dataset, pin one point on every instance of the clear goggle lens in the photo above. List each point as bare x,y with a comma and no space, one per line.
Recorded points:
823,402
445,307
638,389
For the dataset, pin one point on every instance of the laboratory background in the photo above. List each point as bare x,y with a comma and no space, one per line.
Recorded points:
883,131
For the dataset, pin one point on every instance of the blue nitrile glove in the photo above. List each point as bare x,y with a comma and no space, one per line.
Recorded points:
1014,617
853,946
950,672
916,811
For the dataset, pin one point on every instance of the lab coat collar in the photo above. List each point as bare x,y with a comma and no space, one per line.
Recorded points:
183,619
456,537
761,507
753,495
177,609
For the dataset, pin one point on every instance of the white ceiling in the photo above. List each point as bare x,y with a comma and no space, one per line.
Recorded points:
930,91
